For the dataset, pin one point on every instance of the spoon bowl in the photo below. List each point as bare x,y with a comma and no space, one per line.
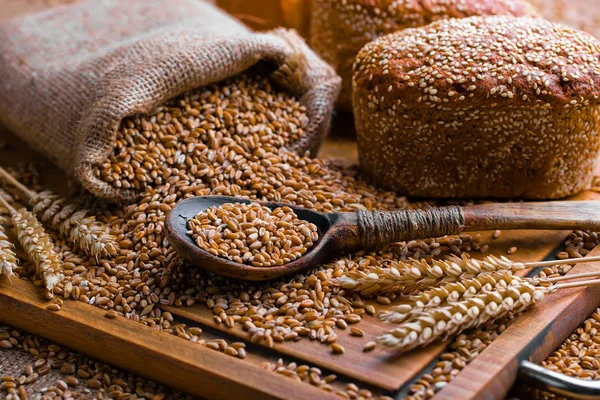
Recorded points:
365,230
177,227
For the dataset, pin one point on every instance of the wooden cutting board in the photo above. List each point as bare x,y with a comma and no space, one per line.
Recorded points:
211,374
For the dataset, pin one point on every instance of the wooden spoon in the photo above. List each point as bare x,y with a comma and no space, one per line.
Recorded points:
347,232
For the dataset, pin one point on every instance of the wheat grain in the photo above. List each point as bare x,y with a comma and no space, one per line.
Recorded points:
411,276
450,319
447,293
53,307
369,346
8,258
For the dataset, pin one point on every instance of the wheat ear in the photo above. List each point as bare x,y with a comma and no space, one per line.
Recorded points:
37,244
8,258
453,318
411,276
447,293
74,224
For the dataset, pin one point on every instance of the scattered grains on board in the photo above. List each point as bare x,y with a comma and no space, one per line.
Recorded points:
496,234
46,376
253,234
220,140
512,250
314,376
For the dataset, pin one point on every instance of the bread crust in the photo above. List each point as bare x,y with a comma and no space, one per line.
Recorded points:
480,107
340,28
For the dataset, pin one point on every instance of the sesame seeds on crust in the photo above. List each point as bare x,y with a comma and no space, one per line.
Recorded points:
490,59
480,107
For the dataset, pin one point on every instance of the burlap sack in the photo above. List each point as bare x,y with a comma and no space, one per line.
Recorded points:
68,76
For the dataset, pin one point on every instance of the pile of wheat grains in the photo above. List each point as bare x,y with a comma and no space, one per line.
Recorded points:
253,234
230,139
578,356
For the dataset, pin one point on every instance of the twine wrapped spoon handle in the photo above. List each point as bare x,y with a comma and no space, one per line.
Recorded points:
364,230
377,228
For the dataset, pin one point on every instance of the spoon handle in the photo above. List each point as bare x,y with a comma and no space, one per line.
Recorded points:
552,215
377,228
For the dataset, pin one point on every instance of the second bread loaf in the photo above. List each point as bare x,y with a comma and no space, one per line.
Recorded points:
340,28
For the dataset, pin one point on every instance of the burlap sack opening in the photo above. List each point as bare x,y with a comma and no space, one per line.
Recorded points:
70,75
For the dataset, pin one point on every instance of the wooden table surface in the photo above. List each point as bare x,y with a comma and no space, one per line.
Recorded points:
376,370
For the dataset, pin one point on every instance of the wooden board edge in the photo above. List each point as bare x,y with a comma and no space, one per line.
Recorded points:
190,367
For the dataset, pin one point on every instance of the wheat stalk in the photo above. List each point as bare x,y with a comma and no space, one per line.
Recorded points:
452,318
74,224
411,276
447,293
37,244
8,258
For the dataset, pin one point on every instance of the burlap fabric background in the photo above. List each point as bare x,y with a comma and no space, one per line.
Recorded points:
13,362
69,75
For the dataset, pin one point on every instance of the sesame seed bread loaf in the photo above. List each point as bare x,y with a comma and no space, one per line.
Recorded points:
480,107
340,28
